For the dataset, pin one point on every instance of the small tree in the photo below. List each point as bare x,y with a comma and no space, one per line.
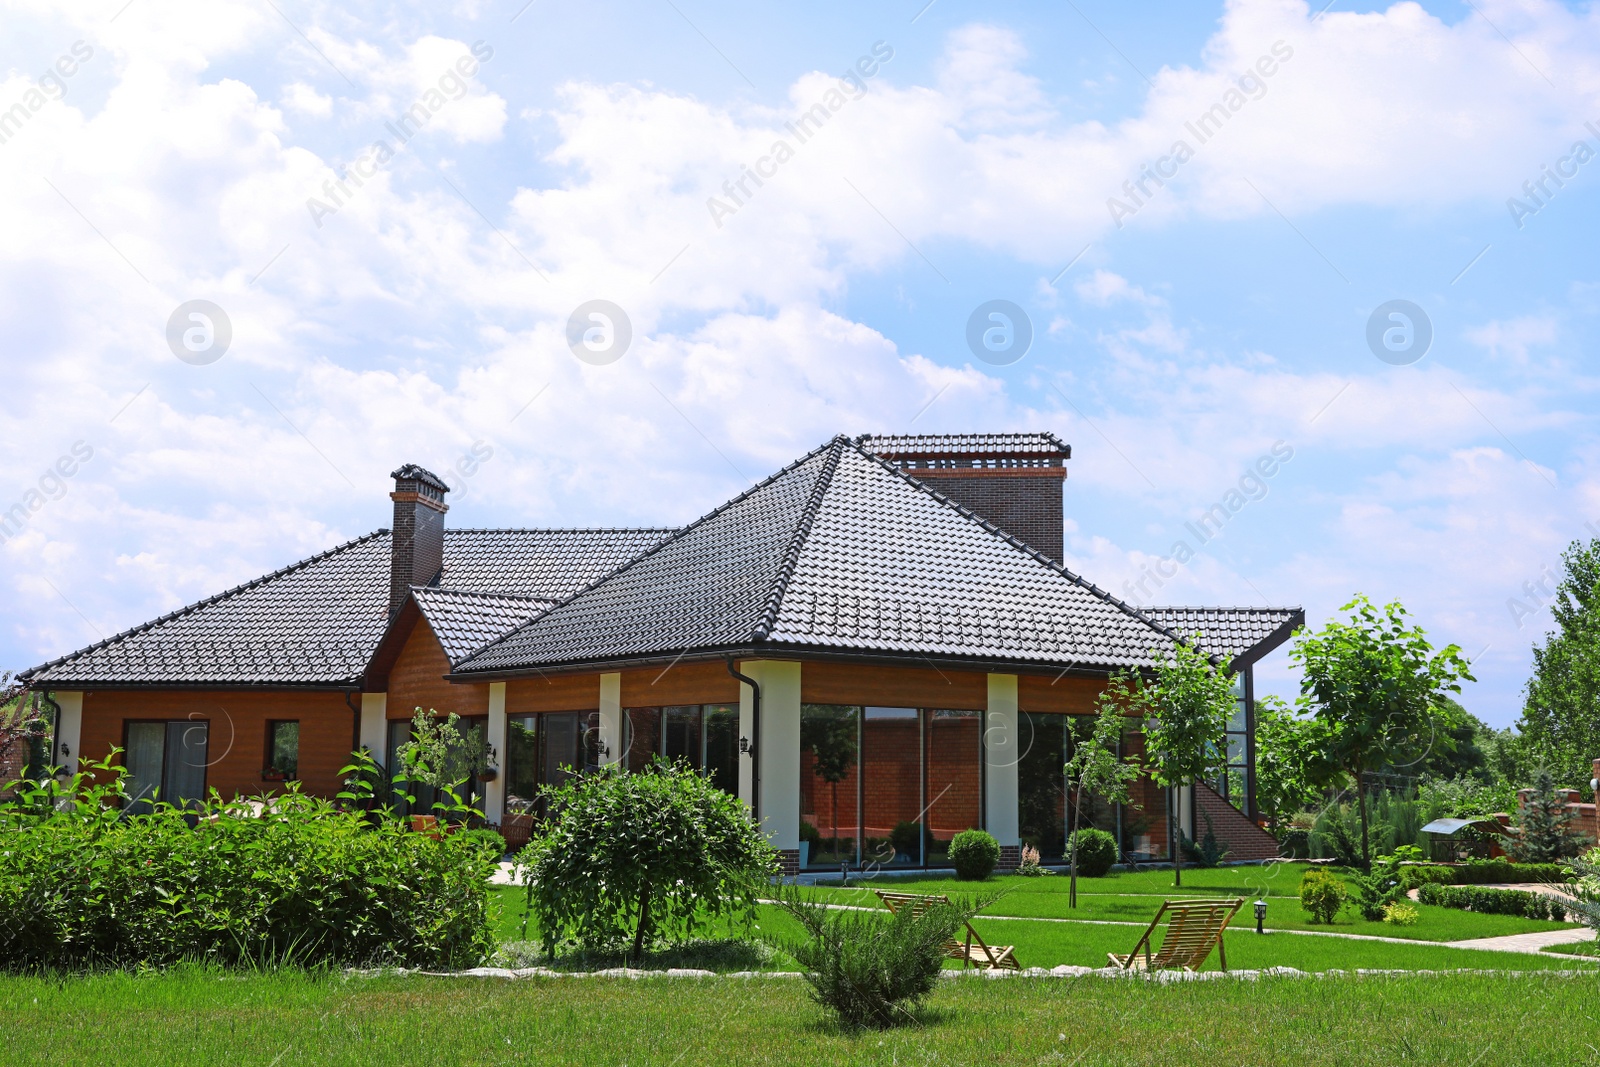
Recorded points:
442,753
1546,835
1187,702
1377,687
640,856
1097,767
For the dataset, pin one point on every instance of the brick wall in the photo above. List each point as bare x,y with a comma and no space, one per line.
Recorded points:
1243,839
238,731
1027,505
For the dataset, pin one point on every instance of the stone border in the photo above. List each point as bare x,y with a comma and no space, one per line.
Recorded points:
1063,971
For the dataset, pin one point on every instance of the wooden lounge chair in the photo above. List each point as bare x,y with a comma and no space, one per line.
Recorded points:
1194,928
974,953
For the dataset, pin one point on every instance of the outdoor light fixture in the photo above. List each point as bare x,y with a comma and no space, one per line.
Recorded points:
1261,915
744,746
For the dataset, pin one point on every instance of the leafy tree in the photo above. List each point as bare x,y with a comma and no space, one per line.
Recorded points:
641,856
1187,701
443,754
1377,688
1096,767
1288,751
1545,824
1558,713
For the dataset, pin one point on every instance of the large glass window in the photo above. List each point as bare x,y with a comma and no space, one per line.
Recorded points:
705,736
1234,781
829,740
166,761
954,792
887,786
424,796
1046,802
548,749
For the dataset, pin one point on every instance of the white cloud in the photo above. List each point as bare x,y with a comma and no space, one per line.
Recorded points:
302,98
1514,337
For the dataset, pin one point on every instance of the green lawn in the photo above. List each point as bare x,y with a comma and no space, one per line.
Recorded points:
1049,944
1135,898
184,1017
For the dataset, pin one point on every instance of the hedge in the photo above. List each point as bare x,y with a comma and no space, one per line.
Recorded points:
1483,872
295,880
1494,901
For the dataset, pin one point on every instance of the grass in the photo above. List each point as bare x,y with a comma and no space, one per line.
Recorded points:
1049,944
1134,897
289,1018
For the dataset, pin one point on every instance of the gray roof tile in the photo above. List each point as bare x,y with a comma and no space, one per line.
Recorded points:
464,622
839,551
318,621
1230,632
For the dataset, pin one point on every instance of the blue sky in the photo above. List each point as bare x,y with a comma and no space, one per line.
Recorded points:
1178,338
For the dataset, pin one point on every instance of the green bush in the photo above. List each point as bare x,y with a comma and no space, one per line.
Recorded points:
974,853
1322,895
872,968
906,837
1294,842
1413,875
291,880
811,835
1480,872
1097,851
1494,901
640,857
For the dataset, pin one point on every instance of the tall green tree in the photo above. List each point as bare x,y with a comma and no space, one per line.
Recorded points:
1544,824
1289,750
1186,700
1097,766
1378,688
1559,723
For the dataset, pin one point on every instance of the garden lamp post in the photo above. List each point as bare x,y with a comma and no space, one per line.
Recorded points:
1261,915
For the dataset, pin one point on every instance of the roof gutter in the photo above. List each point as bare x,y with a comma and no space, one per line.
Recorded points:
755,739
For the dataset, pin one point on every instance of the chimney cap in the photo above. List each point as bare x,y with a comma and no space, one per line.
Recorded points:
893,445
413,473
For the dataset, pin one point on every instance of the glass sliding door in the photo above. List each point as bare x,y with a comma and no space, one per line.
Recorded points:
953,755
891,787
147,743
643,740
829,742
549,748
721,732
680,734
1041,783
522,764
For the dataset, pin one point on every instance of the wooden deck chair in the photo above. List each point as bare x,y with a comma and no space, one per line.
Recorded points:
1194,928
974,953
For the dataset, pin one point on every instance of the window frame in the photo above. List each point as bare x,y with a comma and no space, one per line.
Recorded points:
267,768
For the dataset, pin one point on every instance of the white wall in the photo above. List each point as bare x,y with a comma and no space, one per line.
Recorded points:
373,731
1002,750
611,733
778,748
494,793
69,730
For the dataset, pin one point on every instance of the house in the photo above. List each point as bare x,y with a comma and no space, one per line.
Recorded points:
876,647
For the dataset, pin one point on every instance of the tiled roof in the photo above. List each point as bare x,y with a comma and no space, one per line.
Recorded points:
318,621
839,551
1232,632
464,622
971,444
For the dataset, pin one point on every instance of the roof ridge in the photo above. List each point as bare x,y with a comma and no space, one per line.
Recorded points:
558,529
802,530
1220,607
1012,539
189,609
453,591
676,534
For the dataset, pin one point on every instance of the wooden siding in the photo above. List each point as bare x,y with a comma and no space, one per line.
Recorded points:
554,692
238,731
1068,695
417,680
685,683
893,687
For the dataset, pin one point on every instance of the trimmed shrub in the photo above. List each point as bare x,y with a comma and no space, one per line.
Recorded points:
290,880
640,857
974,853
873,968
1480,872
1097,851
906,837
1494,901
1322,895
1400,913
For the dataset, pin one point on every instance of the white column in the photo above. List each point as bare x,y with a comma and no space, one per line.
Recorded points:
69,731
1002,750
1186,810
374,731
777,748
611,736
494,793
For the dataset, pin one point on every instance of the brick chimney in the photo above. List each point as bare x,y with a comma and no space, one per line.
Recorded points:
416,546
1011,479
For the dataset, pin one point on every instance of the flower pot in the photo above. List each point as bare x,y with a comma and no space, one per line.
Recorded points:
516,830
488,774
426,824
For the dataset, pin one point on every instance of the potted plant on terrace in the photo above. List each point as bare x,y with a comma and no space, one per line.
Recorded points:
444,754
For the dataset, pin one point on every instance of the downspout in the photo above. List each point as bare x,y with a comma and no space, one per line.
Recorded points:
755,739
355,726
55,728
